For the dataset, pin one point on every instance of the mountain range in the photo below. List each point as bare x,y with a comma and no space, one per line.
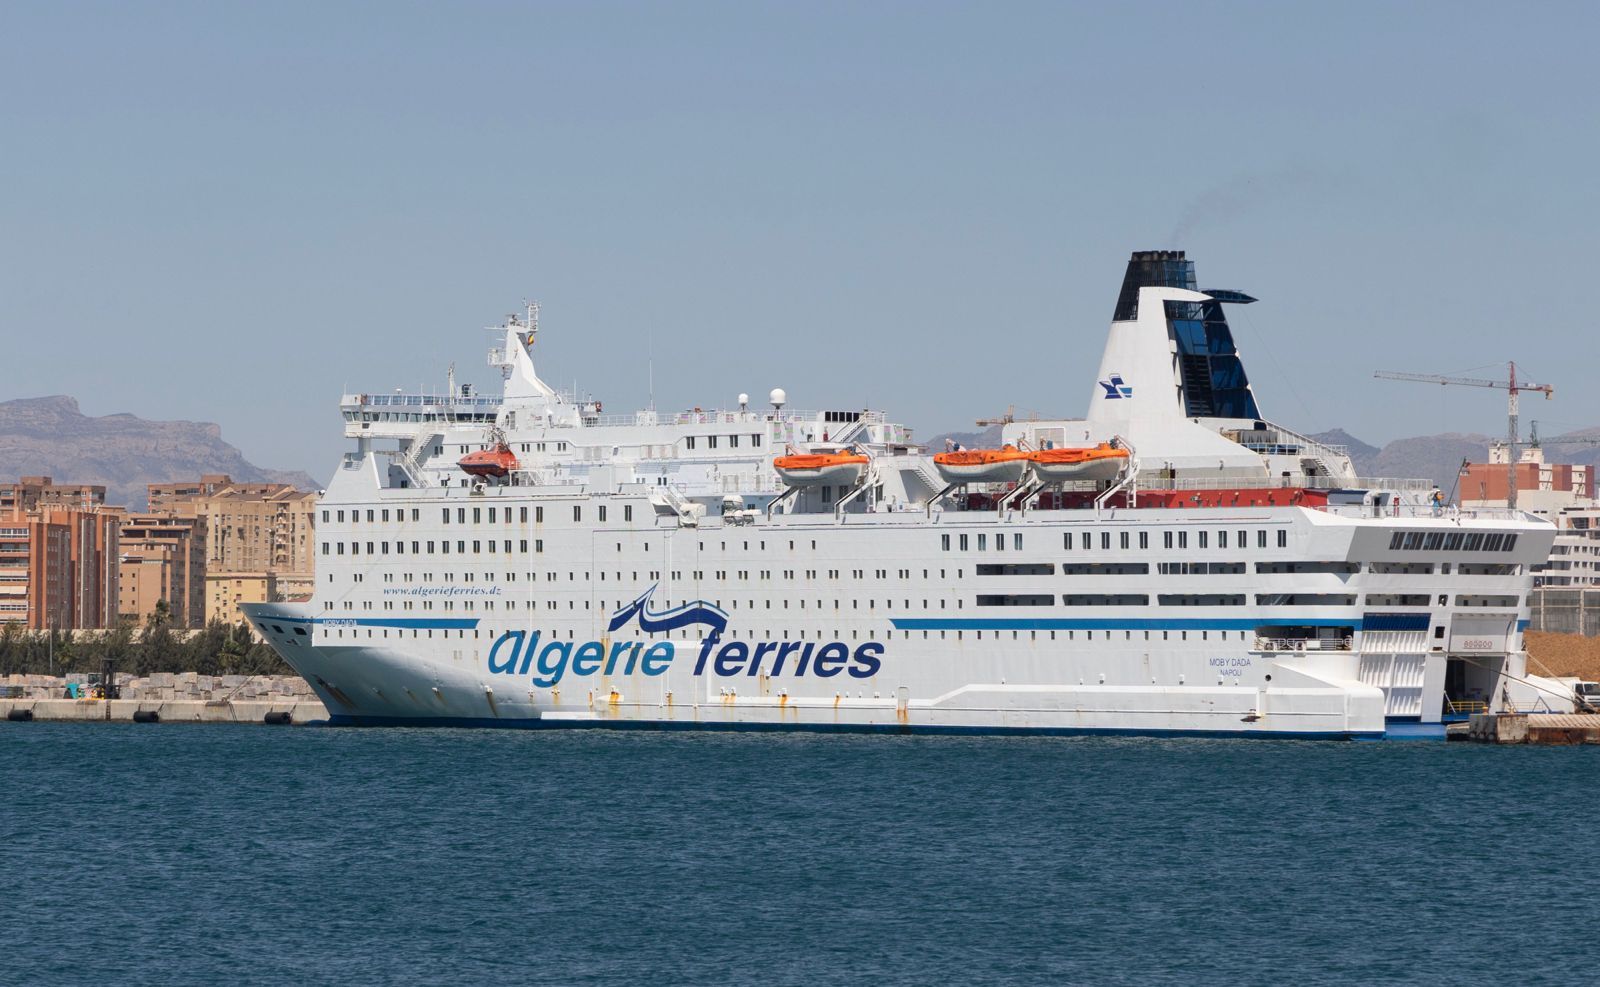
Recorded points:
51,436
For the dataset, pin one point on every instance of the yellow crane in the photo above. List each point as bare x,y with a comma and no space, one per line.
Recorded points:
1511,386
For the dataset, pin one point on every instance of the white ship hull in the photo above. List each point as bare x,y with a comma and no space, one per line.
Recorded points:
619,577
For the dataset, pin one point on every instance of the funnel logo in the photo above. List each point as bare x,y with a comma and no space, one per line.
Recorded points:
520,653
1115,388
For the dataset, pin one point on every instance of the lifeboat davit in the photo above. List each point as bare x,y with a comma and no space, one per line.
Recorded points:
1102,462
496,462
1003,465
809,469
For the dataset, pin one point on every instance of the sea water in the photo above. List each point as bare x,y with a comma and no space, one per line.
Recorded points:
210,854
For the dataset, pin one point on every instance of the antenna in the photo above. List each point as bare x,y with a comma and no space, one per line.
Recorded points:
651,362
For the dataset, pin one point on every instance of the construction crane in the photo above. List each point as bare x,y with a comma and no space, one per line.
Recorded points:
1534,440
1511,386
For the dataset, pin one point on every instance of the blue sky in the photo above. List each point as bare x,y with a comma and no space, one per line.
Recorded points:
231,212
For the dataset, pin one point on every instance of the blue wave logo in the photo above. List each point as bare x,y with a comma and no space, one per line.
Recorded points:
1115,388
688,614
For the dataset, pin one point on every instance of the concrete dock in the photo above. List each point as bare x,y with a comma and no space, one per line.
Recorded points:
184,697
1552,729
300,711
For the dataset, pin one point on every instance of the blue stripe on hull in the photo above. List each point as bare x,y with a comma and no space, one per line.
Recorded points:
346,720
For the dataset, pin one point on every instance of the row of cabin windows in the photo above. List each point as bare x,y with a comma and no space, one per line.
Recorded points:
480,515
1125,540
983,542
855,635
1452,541
1166,599
711,441
432,547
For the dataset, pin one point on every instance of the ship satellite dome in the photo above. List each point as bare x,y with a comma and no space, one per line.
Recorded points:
744,399
778,397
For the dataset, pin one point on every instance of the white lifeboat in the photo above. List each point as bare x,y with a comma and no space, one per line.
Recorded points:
810,469
1102,462
1004,465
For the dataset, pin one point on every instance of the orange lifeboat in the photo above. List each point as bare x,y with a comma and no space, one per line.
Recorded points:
809,469
1103,462
496,462
1003,465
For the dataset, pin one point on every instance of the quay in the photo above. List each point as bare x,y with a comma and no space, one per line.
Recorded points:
1548,729
185,697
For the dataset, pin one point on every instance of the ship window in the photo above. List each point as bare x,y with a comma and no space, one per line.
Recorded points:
414,551
341,516
1144,539
1183,539
944,543
577,512
1396,540
711,442
1261,539
492,514
755,440
688,442
522,515
1202,536
369,516
602,514
1105,539
983,542
340,552
1283,538
1106,599
1016,541
1453,540
447,515
1166,539
1509,543
1000,542
1122,539
386,515
325,548
963,543
627,512
461,515
1016,600
1222,539
1085,540
733,442
324,517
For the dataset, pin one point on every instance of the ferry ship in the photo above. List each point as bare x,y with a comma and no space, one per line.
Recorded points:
1171,563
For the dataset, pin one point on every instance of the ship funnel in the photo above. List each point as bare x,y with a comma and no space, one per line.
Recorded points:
1176,359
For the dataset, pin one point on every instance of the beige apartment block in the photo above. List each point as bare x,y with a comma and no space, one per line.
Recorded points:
250,527
164,558
226,590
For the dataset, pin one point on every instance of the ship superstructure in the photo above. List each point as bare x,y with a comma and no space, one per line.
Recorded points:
1171,562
